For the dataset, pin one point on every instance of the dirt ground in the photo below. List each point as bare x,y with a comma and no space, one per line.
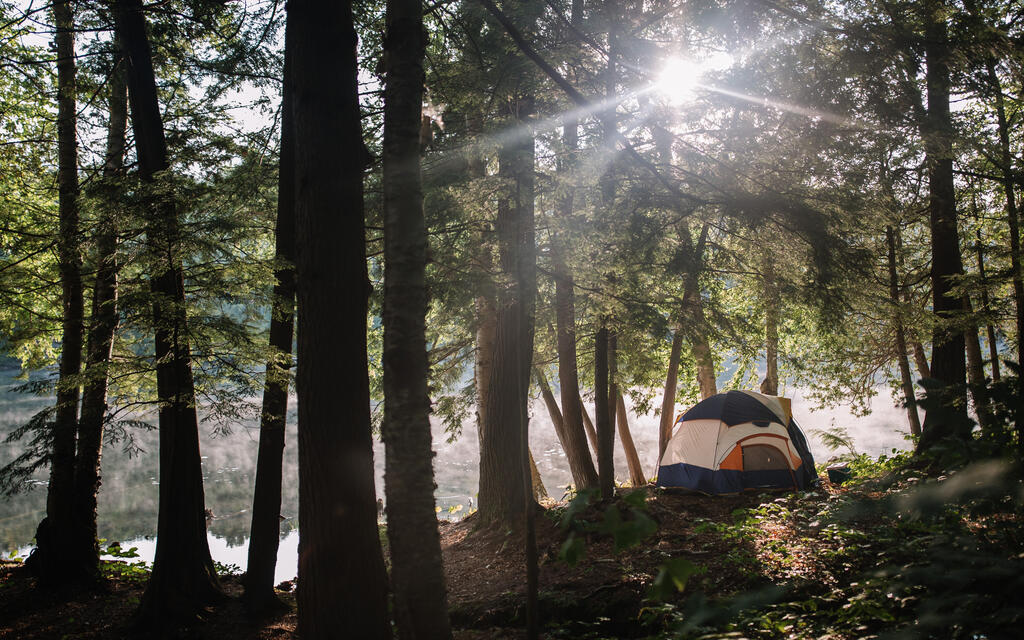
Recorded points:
485,572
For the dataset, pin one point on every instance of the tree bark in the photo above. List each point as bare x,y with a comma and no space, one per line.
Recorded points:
907,380
1013,223
417,577
948,418
343,590
976,368
921,360
503,468
605,426
51,560
183,580
668,401
536,482
102,326
557,419
265,531
701,347
581,464
588,424
636,472
486,309
486,334
993,347
770,385
613,383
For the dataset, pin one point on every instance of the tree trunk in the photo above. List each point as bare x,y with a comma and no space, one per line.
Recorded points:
993,347
668,401
343,590
536,482
265,531
1013,222
613,383
183,580
921,360
503,477
976,368
557,419
581,464
102,325
605,426
486,334
948,418
770,385
906,379
486,311
636,472
700,347
51,559
588,424
417,577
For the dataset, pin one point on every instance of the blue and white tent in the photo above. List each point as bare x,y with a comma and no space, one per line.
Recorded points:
735,441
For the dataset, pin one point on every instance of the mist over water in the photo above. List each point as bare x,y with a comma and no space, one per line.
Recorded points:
129,494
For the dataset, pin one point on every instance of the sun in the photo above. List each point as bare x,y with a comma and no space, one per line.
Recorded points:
679,80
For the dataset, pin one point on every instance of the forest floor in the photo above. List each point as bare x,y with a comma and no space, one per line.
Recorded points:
890,554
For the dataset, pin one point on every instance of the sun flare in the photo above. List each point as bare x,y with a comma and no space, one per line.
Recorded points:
680,78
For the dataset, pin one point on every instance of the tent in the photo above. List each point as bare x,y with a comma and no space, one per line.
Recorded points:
735,441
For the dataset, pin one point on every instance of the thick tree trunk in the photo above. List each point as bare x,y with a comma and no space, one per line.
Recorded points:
503,469
51,559
183,580
486,309
668,401
948,420
102,325
906,378
605,426
265,531
417,577
613,380
486,334
636,472
343,590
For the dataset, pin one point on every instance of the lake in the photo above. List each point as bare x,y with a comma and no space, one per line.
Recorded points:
128,497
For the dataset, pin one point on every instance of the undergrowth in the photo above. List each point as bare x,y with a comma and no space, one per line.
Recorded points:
892,554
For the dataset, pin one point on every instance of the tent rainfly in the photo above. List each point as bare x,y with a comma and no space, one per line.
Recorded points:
735,441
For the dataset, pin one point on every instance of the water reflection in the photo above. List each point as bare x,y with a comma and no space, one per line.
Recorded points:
129,494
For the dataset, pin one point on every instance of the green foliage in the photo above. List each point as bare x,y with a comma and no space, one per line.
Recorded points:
672,578
229,569
897,554
625,521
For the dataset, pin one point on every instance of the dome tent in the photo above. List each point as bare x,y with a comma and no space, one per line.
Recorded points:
734,441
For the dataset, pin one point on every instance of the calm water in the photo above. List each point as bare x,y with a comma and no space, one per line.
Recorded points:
128,497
